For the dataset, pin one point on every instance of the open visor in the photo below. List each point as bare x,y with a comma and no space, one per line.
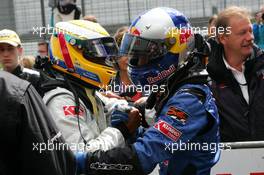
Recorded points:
101,50
138,48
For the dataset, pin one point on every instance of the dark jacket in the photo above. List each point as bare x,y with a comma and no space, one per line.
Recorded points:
25,124
239,121
34,79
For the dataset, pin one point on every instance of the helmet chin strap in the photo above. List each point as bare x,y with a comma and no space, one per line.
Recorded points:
77,108
91,95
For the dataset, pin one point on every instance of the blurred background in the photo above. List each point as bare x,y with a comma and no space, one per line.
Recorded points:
24,16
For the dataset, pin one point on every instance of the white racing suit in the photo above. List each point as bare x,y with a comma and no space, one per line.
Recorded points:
94,127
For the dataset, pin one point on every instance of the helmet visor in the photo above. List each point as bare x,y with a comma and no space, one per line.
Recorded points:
141,51
101,50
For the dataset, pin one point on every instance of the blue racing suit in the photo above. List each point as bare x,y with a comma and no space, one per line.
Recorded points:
184,140
181,137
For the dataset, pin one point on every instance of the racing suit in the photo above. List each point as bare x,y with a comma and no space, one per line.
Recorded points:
184,119
25,124
93,126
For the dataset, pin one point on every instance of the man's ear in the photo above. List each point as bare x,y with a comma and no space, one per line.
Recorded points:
20,51
222,39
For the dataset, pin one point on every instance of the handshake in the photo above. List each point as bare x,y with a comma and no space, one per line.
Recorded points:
132,116
121,111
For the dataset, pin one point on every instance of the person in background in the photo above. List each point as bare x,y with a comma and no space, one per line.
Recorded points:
121,84
11,51
90,18
27,61
211,26
236,67
43,49
64,10
122,92
258,28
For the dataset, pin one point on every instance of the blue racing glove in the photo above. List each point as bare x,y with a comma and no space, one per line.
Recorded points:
117,117
120,114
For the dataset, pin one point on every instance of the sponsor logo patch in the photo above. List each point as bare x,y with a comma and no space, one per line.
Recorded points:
104,166
161,75
177,114
70,110
168,130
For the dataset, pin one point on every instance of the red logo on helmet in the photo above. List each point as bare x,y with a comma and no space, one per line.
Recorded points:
184,35
135,31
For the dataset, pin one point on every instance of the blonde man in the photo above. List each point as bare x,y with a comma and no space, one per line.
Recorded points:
236,67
